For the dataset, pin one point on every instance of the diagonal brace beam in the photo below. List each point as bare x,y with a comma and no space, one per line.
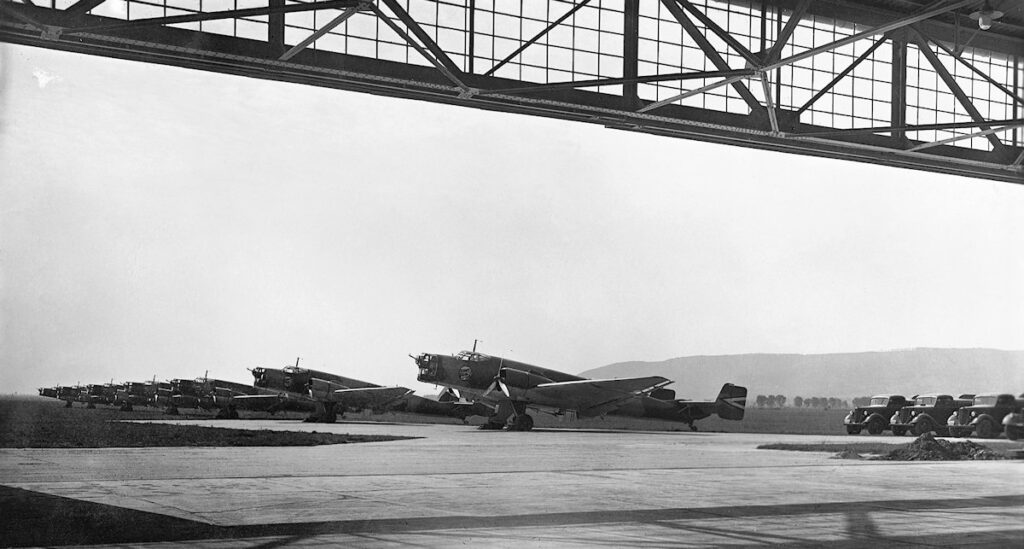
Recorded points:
962,97
787,32
82,6
539,35
422,35
668,77
684,95
752,59
345,15
971,66
990,131
422,50
16,13
773,119
712,55
899,23
1017,122
841,75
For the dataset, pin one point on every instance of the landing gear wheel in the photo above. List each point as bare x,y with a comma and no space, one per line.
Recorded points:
523,422
875,426
984,429
693,427
229,412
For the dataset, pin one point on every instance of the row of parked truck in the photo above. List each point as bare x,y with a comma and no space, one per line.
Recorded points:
984,416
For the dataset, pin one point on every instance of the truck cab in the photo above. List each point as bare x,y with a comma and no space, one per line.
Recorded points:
928,413
984,418
875,416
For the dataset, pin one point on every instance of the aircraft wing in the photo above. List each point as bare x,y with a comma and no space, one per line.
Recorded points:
271,402
591,397
369,397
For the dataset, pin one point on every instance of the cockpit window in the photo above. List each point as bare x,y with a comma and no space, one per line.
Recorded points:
472,356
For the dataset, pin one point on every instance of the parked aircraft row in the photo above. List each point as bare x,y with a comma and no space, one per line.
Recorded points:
984,415
475,384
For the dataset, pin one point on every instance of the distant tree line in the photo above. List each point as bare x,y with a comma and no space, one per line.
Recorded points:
771,401
778,401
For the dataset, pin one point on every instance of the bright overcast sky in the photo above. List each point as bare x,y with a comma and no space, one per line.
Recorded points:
163,222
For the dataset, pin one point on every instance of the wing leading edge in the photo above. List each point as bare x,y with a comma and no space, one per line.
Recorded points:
591,397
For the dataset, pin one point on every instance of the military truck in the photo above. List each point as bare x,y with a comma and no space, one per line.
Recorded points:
875,416
1013,424
928,413
984,418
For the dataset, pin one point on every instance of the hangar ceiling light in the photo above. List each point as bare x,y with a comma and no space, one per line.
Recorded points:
985,16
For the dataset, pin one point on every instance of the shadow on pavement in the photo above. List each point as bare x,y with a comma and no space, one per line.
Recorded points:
32,518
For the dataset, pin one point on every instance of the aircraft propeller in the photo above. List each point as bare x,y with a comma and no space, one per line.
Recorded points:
498,382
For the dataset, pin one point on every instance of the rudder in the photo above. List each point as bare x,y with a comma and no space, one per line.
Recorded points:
731,402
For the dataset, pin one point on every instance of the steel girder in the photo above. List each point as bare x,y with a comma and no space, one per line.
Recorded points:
462,77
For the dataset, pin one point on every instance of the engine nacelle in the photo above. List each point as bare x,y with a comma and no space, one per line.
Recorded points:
321,389
521,379
663,394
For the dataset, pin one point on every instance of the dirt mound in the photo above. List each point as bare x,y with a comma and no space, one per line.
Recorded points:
927,448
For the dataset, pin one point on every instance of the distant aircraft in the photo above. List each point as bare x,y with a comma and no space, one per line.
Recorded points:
209,394
96,393
136,393
322,393
509,388
68,394
49,392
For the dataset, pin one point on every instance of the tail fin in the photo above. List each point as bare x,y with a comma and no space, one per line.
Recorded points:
731,402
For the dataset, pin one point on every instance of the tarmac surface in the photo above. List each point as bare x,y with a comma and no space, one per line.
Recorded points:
460,486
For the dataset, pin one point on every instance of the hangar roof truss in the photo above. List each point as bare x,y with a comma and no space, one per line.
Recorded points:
907,83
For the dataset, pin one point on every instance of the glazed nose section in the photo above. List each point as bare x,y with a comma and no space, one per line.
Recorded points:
428,367
260,376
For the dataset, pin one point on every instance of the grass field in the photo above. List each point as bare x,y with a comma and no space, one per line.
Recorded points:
42,415
757,420
44,423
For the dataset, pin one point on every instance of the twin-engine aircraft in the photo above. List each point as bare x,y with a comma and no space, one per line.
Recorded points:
509,388
207,394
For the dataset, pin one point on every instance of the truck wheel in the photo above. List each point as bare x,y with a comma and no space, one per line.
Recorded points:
1013,433
923,426
984,429
875,426
851,430
899,431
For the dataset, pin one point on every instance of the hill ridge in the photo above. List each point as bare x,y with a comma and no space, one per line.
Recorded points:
859,373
